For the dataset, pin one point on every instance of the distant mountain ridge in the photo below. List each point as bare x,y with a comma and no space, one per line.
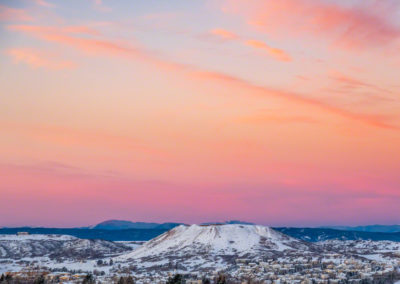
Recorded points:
323,234
368,228
116,231
231,222
123,225
109,235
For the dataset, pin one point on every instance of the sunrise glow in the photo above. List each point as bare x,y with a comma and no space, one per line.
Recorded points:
279,112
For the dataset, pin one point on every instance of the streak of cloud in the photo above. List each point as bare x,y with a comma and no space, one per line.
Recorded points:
94,46
38,59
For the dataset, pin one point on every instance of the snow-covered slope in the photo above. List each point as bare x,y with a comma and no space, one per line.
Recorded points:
56,246
362,246
36,237
199,246
383,251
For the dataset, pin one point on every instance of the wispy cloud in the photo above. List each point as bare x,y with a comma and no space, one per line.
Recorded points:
38,59
68,136
70,36
262,118
113,48
362,25
8,14
99,5
275,53
44,3
354,83
224,34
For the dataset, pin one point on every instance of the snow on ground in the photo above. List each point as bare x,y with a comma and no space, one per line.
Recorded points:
87,266
376,257
131,244
6,267
382,251
36,237
57,246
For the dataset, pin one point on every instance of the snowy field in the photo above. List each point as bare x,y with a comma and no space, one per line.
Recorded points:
36,237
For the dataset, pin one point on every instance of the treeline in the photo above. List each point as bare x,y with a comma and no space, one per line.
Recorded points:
221,278
387,278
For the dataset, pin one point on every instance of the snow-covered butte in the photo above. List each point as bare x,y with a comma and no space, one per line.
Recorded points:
197,246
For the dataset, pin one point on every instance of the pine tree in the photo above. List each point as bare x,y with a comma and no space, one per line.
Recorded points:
177,279
221,279
39,280
88,279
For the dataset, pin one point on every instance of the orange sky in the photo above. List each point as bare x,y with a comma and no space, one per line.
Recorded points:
276,112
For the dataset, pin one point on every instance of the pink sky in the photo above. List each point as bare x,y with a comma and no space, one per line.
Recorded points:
275,112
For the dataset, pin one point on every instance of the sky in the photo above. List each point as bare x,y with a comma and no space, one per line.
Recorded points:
282,113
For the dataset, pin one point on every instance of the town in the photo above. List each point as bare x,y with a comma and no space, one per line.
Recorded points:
331,268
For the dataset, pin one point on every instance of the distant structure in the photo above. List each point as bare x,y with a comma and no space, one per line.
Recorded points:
22,233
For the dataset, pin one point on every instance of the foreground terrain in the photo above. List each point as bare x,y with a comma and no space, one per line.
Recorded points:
234,252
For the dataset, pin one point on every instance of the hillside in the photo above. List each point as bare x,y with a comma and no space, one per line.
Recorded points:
56,246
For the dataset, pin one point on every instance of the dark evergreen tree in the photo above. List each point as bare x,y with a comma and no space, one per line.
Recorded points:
129,280
39,280
89,279
221,279
121,280
8,278
177,279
